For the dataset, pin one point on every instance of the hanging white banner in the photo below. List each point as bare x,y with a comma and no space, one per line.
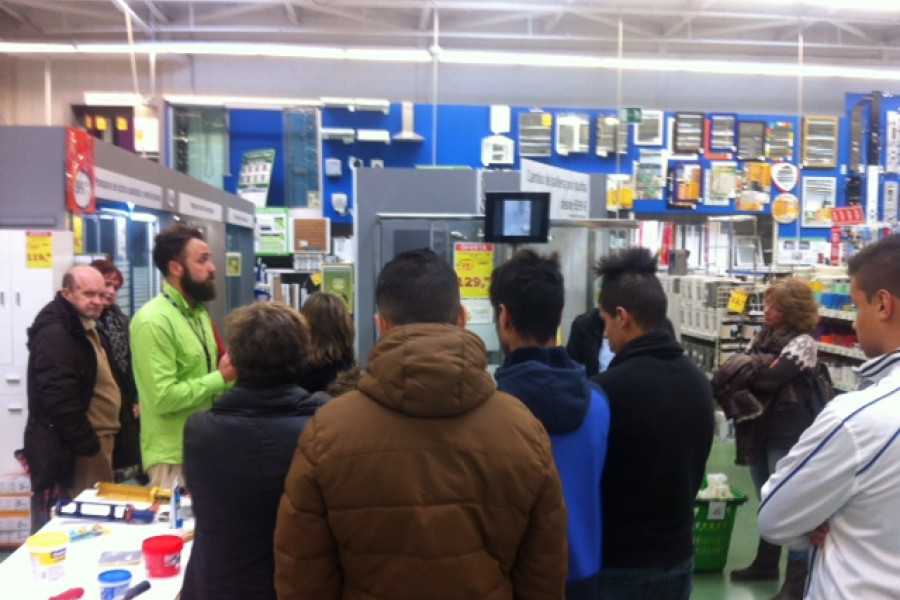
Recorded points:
570,192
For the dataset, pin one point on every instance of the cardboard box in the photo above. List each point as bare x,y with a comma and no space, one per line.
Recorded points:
14,539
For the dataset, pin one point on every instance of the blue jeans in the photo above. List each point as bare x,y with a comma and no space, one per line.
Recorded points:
658,583
760,471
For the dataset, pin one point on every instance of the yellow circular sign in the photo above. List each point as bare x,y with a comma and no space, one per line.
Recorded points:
785,208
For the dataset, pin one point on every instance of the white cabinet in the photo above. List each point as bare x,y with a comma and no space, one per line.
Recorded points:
32,265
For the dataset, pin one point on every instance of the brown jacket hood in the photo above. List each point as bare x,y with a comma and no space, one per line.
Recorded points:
447,364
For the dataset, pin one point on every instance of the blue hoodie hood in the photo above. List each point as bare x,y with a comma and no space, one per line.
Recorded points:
550,384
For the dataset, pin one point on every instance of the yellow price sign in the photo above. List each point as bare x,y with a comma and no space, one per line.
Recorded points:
738,301
39,250
474,265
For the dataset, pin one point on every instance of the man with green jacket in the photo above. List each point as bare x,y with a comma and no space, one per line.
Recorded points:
177,365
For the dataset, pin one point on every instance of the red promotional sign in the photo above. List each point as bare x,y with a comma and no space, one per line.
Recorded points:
835,245
848,215
80,196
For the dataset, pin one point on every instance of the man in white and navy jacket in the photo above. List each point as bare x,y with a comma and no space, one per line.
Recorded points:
839,487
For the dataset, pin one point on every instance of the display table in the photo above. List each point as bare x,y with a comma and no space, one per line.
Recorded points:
82,563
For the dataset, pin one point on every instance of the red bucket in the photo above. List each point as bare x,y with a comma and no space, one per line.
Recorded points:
162,555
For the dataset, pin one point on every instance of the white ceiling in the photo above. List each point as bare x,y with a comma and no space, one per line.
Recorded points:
719,29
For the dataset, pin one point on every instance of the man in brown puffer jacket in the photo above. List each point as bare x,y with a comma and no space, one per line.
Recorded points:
426,483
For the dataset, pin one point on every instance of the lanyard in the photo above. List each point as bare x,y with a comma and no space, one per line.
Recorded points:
198,333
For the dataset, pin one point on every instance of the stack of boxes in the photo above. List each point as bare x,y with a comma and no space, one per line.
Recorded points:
15,510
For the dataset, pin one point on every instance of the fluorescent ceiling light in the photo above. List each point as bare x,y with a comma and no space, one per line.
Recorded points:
236,101
35,48
856,5
464,57
474,57
112,99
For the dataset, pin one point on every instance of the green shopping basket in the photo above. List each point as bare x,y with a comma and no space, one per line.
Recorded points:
713,523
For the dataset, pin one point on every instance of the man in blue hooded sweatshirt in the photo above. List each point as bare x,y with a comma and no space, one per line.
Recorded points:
527,294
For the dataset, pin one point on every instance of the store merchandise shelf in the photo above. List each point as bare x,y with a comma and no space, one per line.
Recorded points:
709,336
842,351
845,315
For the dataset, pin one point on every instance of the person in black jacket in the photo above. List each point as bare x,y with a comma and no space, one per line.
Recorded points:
69,433
586,340
661,431
236,455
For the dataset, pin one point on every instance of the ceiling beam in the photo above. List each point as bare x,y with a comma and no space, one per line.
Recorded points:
154,10
123,6
291,12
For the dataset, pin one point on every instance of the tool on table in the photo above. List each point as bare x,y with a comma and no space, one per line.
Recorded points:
136,590
70,594
117,491
106,512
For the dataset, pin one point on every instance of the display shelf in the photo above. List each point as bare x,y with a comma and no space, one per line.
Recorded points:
841,351
346,135
700,335
844,315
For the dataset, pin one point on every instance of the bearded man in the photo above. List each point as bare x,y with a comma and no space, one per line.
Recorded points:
177,366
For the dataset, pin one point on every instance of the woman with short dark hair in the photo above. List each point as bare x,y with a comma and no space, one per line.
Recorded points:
237,454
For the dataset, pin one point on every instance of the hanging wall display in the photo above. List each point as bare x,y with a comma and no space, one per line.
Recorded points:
820,142
619,192
535,129
722,134
650,175
892,142
819,197
785,176
751,140
688,133
573,134
723,183
649,132
612,134
785,208
685,184
780,140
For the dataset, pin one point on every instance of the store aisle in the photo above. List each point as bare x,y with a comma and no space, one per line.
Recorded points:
717,586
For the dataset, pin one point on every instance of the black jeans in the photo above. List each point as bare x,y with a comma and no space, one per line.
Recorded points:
657,583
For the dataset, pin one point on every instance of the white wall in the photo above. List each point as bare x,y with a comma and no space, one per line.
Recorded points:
22,95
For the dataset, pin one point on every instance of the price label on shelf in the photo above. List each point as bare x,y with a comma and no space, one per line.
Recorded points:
738,301
474,265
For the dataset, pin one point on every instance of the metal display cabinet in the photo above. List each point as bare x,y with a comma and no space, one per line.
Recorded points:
32,264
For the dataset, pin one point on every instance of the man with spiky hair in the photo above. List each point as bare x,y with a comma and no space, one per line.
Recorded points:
661,430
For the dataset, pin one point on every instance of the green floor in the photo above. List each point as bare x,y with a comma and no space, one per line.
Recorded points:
716,586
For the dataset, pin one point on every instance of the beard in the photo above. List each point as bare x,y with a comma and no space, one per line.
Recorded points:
200,291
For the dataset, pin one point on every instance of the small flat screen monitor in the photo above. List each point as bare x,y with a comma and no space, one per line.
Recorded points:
517,217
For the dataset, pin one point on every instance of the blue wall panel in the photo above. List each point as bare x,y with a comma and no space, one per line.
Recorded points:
460,130
257,130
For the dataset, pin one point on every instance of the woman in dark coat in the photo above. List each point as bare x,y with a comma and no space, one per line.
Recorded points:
113,328
332,365
237,454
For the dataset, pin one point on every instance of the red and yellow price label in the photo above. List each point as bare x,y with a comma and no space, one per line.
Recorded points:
39,250
474,265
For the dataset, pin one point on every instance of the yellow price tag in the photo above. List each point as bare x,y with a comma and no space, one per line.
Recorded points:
474,265
738,301
39,250
316,278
